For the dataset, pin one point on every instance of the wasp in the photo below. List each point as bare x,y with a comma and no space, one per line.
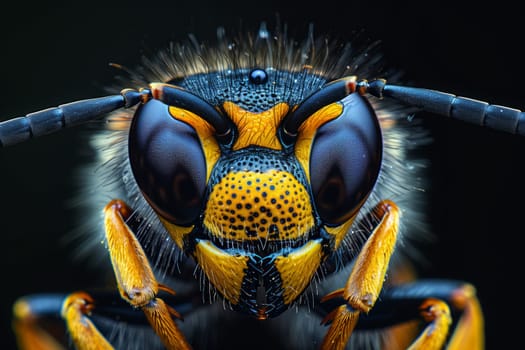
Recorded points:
264,196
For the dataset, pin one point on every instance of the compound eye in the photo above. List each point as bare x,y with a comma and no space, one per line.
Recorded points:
345,161
168,163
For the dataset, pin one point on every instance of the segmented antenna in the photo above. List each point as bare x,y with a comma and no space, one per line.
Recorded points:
49,120
466,109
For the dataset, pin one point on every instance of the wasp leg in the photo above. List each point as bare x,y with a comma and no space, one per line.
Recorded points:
34,311
136,281
75,311
439,302
31,316
469,330
91,320
366,279
433,337
442,304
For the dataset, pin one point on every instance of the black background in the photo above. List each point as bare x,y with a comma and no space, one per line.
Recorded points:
56,53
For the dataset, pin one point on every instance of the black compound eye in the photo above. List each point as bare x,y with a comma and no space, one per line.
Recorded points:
345,161
168,163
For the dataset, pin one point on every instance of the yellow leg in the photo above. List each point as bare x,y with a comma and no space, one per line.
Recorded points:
366,279
469,332
433,337
84,334
136,281
343,322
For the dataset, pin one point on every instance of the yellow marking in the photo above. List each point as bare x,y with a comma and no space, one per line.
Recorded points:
249,205
339,232
308,129
206,134
297,269
176,232
257,129
224,271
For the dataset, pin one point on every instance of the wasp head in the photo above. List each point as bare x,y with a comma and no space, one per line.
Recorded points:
258,175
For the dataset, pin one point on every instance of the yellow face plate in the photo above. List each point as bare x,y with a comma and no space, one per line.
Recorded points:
226,272
247,205
297,269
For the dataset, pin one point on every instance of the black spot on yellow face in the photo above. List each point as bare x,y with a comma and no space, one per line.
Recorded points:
248,205
258,194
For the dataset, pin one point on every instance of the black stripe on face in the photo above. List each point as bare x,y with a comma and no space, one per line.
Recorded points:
262,289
